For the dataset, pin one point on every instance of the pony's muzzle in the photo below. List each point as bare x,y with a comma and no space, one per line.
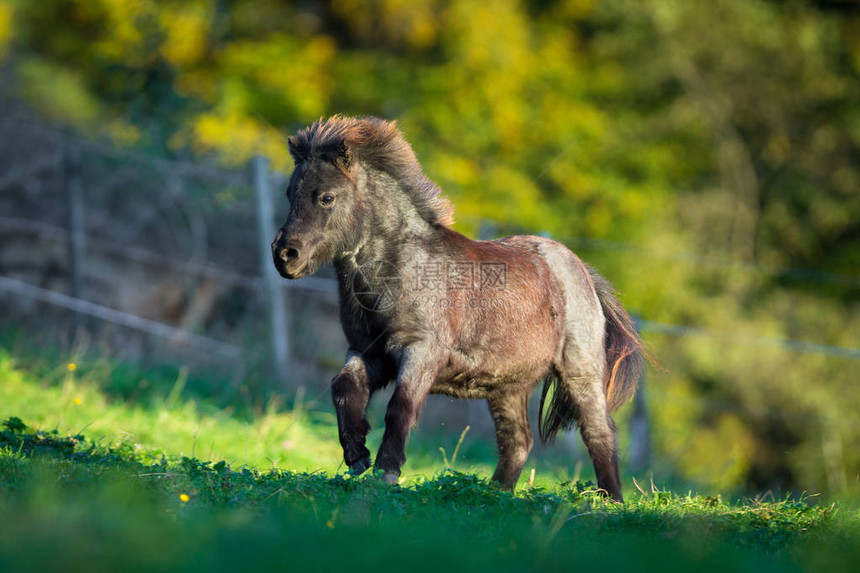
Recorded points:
289,255
288,263
286,256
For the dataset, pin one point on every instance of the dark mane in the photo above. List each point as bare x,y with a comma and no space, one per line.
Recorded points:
380,144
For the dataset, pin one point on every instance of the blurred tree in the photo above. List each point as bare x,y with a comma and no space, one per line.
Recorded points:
684,134
763,96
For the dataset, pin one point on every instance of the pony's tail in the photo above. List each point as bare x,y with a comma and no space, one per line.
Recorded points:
624,348
624,364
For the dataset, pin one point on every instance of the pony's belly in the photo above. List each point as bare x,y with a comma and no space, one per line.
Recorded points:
465,388
464,378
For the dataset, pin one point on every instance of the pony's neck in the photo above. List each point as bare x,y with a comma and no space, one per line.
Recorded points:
393,224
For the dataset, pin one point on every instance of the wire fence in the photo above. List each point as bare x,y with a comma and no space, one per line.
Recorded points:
163,249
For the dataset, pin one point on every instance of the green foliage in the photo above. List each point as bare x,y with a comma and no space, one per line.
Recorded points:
702,155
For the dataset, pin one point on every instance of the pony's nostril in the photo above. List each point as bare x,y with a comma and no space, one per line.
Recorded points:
288,255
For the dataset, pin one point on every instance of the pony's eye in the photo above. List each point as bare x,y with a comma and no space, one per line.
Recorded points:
327,200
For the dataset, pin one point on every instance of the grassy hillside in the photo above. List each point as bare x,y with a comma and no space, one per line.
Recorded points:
164,415
172,483
68,502
167,411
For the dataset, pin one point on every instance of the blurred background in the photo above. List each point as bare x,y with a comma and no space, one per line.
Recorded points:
704,156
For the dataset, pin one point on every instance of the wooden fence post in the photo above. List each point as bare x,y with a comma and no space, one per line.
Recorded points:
278,330
74,192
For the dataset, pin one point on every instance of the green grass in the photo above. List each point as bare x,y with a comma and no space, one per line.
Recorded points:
69,503
93,479
166,420
168,411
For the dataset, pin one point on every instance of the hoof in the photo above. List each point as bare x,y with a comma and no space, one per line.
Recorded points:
359,467
390,478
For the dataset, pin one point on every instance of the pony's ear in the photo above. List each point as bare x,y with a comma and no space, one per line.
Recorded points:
297,153
343,156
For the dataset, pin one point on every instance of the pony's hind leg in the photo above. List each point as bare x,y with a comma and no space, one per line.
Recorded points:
513,436
598,431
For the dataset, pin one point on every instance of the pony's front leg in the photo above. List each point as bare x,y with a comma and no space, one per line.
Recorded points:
350,391
418,370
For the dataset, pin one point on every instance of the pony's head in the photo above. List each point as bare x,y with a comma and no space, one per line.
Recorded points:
346,170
